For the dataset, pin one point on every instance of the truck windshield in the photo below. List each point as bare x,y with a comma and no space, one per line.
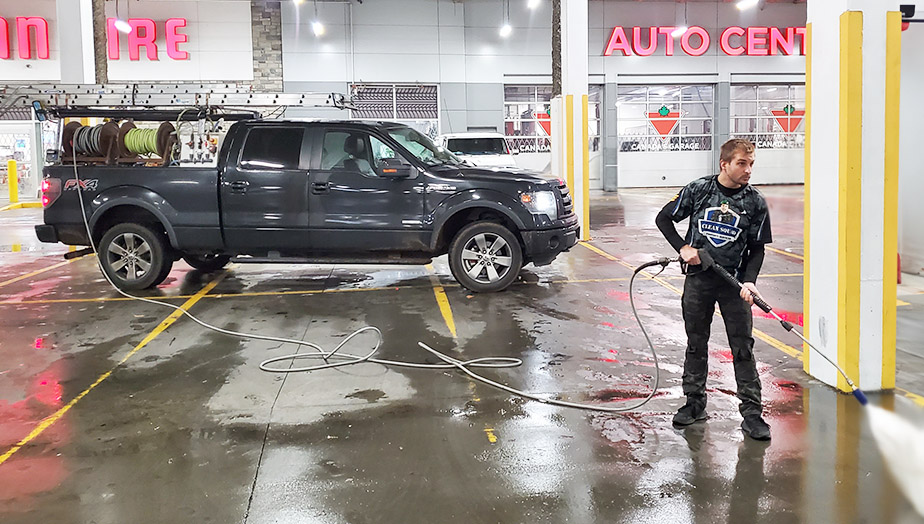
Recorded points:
477,146
422,147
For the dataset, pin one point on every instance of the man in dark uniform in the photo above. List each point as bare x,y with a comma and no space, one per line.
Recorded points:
728,219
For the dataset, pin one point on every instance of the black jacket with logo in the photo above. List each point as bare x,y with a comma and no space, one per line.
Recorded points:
731,224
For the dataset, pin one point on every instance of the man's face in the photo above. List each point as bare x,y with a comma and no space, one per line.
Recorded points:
739,169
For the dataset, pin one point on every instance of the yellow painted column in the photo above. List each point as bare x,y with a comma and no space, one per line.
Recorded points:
12,181
851,190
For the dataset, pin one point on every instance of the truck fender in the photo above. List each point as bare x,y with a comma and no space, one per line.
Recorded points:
138,197
481,198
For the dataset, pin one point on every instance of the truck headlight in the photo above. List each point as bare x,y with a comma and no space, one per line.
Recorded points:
541,203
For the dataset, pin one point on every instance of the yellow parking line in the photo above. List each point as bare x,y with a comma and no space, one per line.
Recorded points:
37,272
917,399
442,300
492,438
21,205
787,253
54,417
785,348
625,264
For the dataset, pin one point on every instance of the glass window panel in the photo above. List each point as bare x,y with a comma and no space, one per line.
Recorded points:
627,91
773,92
767,125
519,93
697,93
695,127
631,111
744,92
744,125
739,109
797,93
272,148
656,107
697,110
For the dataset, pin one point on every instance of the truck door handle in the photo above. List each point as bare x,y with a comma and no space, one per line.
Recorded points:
239,187
319,187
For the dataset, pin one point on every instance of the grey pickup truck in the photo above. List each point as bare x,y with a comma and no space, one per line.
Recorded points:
319,192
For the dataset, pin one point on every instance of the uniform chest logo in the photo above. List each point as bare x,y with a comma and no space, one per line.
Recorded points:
720,225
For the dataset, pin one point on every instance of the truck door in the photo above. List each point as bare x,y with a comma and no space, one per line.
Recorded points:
355,206
264,190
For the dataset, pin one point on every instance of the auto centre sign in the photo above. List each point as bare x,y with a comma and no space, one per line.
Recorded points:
695,41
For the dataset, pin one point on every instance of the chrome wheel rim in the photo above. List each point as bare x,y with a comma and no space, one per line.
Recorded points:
130,257
486,258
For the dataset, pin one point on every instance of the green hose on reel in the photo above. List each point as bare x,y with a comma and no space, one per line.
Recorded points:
141,141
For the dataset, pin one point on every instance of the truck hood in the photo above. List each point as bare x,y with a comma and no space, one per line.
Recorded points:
496,174
489,161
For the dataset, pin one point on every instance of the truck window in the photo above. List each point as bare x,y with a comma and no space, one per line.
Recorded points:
347,151
477,146
272,148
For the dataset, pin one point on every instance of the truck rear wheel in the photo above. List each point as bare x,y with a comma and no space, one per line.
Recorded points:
134,256
485,257
207,263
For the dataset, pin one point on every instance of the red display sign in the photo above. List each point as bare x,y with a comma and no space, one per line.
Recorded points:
695,41
26,26
32,34
144,34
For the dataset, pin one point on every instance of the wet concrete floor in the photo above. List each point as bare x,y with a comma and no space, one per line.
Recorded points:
189,429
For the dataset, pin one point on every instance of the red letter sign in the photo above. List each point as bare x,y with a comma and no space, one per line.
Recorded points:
785,43
757,36
4,39
726,46
23,24
174,39
112,39
618,42
136,41
704,41
668,39
637,41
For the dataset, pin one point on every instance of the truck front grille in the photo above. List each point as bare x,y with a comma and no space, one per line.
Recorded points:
567,205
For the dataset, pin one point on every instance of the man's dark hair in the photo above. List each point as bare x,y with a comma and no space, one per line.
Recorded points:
727,153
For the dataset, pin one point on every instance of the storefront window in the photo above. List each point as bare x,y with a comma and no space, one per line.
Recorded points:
527,124
664,118
414,105
771,116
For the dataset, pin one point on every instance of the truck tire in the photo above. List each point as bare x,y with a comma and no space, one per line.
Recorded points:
207,263
134,256
485,257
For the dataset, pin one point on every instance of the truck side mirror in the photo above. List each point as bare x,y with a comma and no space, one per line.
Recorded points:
394,168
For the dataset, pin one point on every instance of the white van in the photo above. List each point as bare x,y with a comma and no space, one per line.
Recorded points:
480,149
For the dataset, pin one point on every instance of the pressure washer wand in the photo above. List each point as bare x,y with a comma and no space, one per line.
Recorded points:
709,263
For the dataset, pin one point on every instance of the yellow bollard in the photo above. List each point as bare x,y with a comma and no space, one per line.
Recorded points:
13,180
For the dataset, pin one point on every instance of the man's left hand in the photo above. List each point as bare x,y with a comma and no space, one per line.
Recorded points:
748,291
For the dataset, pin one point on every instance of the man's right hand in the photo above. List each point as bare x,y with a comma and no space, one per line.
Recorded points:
690,255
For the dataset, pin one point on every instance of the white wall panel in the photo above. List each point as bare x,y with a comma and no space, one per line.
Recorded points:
19,69
452,68
395,39
421,13
219,42
314,67
676,168
393,68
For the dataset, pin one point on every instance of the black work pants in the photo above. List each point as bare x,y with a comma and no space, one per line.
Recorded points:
701,291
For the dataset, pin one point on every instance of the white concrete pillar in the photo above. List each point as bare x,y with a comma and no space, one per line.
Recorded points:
75,40
853,63
573,146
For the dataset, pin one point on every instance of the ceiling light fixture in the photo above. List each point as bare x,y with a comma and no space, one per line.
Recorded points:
505,29
746,4
317,27
121,25
532,4
682,28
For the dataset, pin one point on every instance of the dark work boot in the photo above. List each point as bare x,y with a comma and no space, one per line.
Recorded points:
755,427
689,414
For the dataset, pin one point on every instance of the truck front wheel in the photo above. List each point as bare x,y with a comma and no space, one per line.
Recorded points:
134,256
485,257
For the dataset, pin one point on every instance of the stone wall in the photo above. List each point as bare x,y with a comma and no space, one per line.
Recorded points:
267,45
